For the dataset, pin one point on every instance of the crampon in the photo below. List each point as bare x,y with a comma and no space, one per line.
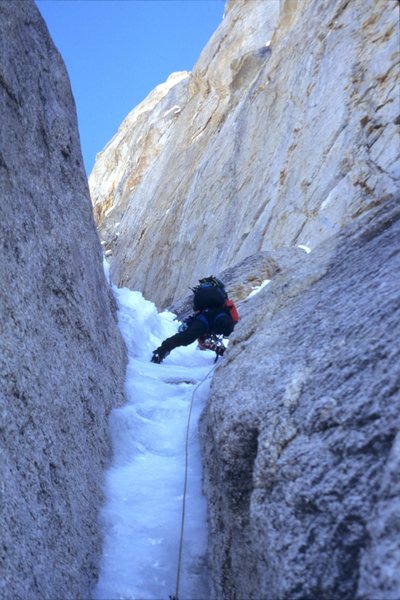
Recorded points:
212,342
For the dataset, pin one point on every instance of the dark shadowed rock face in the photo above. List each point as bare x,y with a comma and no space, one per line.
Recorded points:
61,357
301,433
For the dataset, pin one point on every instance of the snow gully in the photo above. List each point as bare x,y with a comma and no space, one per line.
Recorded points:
155,537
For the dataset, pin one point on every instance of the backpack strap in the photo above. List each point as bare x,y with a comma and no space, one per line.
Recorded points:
204,320
223,313
228,326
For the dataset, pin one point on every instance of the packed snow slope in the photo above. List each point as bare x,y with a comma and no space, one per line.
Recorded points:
286,130
301,434
142,515
62,359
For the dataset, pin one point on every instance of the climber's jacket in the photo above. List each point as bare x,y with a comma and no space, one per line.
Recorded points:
215,314
207,321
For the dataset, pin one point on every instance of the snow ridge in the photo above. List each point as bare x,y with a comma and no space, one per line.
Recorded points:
142,514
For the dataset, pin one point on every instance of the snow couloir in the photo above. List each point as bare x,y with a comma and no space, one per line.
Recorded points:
141,518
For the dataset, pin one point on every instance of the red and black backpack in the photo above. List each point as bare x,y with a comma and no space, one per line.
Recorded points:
210,293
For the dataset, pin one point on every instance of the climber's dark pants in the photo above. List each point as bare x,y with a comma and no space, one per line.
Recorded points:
196,329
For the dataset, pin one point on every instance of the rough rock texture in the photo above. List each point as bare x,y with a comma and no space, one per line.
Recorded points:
301,433
277,145
61,357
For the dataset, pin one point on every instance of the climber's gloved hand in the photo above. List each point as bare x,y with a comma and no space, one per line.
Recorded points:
158,356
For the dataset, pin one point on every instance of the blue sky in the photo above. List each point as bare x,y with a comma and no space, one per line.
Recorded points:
117,51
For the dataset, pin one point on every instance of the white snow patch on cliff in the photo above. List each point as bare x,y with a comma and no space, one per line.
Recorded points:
258,288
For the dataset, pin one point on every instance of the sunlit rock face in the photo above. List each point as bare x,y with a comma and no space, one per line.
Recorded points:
286,129
124,162
164,213
301,435
61,356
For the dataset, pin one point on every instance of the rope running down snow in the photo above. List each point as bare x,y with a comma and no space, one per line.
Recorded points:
178,575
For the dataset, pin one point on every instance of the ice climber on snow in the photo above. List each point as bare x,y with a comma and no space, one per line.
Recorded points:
215,316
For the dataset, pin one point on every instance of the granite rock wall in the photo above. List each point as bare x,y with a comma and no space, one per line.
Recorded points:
62,360
301,433
286,131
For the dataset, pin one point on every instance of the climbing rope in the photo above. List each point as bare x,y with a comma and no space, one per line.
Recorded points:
178,575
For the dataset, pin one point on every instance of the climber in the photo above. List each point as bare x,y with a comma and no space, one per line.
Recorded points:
215,315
